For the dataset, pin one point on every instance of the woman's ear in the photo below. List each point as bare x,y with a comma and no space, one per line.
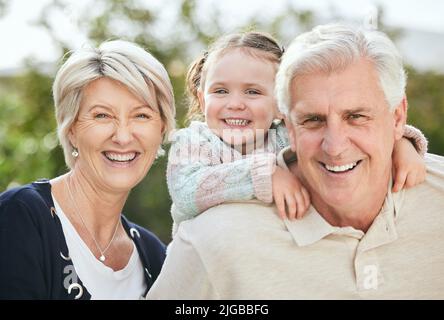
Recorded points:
72,137
400,118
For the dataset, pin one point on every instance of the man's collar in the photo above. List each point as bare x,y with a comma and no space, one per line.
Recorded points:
313,227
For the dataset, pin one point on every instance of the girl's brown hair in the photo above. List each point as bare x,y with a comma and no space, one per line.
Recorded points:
258,41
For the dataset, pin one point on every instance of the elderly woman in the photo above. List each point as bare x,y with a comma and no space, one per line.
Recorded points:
66,238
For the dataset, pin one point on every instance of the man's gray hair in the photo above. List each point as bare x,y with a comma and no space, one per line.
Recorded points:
119,60
333,47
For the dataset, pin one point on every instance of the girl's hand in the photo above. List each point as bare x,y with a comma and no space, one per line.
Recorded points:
408,166
291,198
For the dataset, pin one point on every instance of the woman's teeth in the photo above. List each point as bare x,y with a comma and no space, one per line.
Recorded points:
342,168
120,157
237,122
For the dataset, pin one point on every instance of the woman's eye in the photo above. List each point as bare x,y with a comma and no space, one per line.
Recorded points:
143,116
221,91
101,116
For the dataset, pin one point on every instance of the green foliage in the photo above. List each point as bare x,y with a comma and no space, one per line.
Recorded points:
27,130
28,145
426,106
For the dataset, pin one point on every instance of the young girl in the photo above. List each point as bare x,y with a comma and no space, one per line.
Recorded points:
232,155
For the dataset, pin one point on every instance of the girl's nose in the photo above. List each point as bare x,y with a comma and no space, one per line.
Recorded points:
236,103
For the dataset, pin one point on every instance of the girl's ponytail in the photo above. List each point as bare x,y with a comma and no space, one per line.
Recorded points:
193,78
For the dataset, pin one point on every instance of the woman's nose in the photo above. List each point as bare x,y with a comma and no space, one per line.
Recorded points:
122,134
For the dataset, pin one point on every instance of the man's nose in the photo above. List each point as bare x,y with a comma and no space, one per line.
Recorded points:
335,140
122,134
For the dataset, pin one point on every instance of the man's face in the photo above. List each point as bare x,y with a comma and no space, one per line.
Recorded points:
343,134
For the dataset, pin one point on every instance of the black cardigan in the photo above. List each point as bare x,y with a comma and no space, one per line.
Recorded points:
34,257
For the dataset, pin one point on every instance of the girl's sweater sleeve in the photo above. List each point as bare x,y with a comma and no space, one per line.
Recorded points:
417,138
198,178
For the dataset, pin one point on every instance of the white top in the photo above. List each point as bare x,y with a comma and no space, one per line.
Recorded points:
102,282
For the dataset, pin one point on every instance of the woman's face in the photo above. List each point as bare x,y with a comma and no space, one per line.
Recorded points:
117,135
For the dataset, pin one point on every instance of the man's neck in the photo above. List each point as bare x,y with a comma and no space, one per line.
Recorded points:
359,216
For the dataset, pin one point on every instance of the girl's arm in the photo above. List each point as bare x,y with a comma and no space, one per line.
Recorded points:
198,179
408,163
417,138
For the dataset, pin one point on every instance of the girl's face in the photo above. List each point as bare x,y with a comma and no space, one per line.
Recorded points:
238,97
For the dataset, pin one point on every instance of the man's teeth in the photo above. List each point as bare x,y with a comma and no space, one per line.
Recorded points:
341,168
237,122
120,157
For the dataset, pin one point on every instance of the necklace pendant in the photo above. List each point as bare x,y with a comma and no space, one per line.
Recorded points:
102,258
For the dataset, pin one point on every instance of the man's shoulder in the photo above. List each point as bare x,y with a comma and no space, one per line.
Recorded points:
434,161
429,194
230,223
435,170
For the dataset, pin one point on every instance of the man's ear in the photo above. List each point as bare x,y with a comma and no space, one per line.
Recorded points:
200,97
400,118
291,132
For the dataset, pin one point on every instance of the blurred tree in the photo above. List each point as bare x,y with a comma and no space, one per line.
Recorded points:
27,127
425,94
3,7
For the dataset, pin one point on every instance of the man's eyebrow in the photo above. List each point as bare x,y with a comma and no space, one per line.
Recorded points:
305,115
357,110
297,117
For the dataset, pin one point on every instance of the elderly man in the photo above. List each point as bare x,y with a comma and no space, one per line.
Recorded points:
343,93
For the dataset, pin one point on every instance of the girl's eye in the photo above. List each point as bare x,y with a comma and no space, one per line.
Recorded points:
252,91
221,91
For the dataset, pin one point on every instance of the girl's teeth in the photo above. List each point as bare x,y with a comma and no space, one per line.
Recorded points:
120,157
341,168
236,122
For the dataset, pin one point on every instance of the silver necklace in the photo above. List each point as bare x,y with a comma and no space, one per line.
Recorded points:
76,210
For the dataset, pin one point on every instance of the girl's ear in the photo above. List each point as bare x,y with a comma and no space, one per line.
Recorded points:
200,97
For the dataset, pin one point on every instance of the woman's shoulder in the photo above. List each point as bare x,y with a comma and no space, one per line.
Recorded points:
23,194
30,199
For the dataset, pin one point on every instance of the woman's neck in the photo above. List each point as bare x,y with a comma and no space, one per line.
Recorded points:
99,208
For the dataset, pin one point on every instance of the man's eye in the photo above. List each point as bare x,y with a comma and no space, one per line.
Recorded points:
313,119
355,116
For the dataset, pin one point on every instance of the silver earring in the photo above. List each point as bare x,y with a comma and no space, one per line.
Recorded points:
75,153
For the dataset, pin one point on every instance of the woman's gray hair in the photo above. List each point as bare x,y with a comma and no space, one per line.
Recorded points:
122,61
333,47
